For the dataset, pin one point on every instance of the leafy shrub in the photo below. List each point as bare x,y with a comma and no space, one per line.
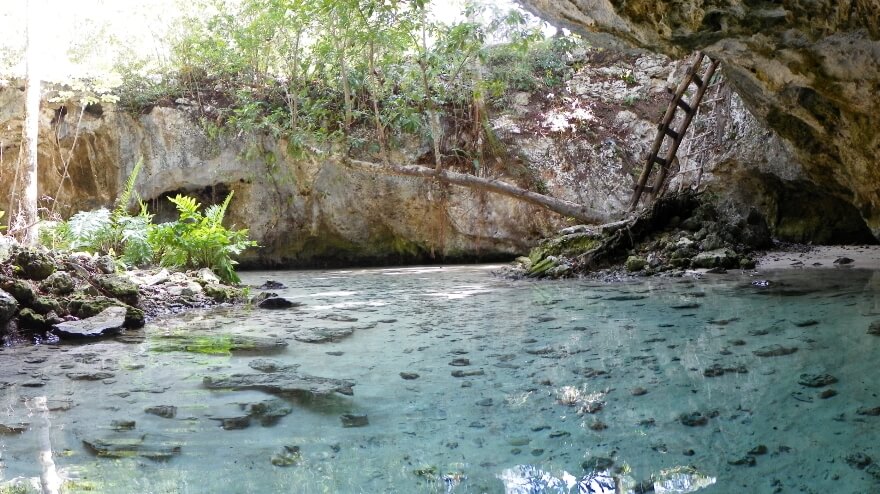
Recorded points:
199,239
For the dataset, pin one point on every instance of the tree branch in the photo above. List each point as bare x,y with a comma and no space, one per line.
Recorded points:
561,206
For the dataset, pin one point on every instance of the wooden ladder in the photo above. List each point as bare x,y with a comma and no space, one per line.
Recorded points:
676,135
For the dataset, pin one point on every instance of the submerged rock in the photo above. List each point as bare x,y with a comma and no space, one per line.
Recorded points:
874,328
774,351
164,411
216,344
286,456
354,420
128,444
816,380
109,322
283,381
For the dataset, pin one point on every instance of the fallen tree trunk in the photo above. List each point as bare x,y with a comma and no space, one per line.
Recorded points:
566,208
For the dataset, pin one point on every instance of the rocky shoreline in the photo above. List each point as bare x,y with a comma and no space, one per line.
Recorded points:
49,296
681,233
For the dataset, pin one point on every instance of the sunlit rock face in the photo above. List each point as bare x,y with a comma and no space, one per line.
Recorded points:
809,70
302,210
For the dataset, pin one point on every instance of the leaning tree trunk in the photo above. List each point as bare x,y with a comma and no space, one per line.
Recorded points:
561,206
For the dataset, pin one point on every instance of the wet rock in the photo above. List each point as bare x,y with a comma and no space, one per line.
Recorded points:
105,264
354,420
842,261
269,365
164,411
816,380
635,263
58,283
806,323
747,460
84,307
597,463
216,344
21,290
34,265
485,402
272,285
8,306
221,293
30,319
109,322
719,370
828,393
598,425
694,419
128,444
267,412
717,270
468,373
590,372
9,428
122,425
460,362
858,460
118,287
870,412
758,450
285,381
723,258
44,305
275,303
874,328
774,351
323,335
234,423
89,375
638,391
337,317
409,376
690,305
286,456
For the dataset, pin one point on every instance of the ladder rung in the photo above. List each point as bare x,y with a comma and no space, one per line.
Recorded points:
647,188
697,80
671,133
684,106
660,161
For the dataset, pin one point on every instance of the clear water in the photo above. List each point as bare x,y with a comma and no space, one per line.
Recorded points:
538,345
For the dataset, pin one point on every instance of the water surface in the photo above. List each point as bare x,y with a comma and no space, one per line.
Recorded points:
554,377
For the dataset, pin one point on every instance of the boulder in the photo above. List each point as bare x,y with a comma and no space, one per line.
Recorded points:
635,263
58,283
109,322
34,265
719,258
8,306
118,287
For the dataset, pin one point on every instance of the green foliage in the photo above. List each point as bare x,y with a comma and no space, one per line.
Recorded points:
199,239
106,232
331,71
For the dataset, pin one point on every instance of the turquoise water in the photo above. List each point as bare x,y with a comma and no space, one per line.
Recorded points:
555,375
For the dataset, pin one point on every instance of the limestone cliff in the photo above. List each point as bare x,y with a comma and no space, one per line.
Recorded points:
809,70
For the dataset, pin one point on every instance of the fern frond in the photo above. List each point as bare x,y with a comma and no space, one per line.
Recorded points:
124,198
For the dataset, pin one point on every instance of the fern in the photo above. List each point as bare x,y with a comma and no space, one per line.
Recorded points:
124,198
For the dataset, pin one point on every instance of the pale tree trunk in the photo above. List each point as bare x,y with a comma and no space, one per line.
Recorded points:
561,206
27,212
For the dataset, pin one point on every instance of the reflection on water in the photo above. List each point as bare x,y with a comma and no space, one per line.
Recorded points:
467,383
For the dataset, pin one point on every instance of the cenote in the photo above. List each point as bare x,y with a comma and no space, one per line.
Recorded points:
467,382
